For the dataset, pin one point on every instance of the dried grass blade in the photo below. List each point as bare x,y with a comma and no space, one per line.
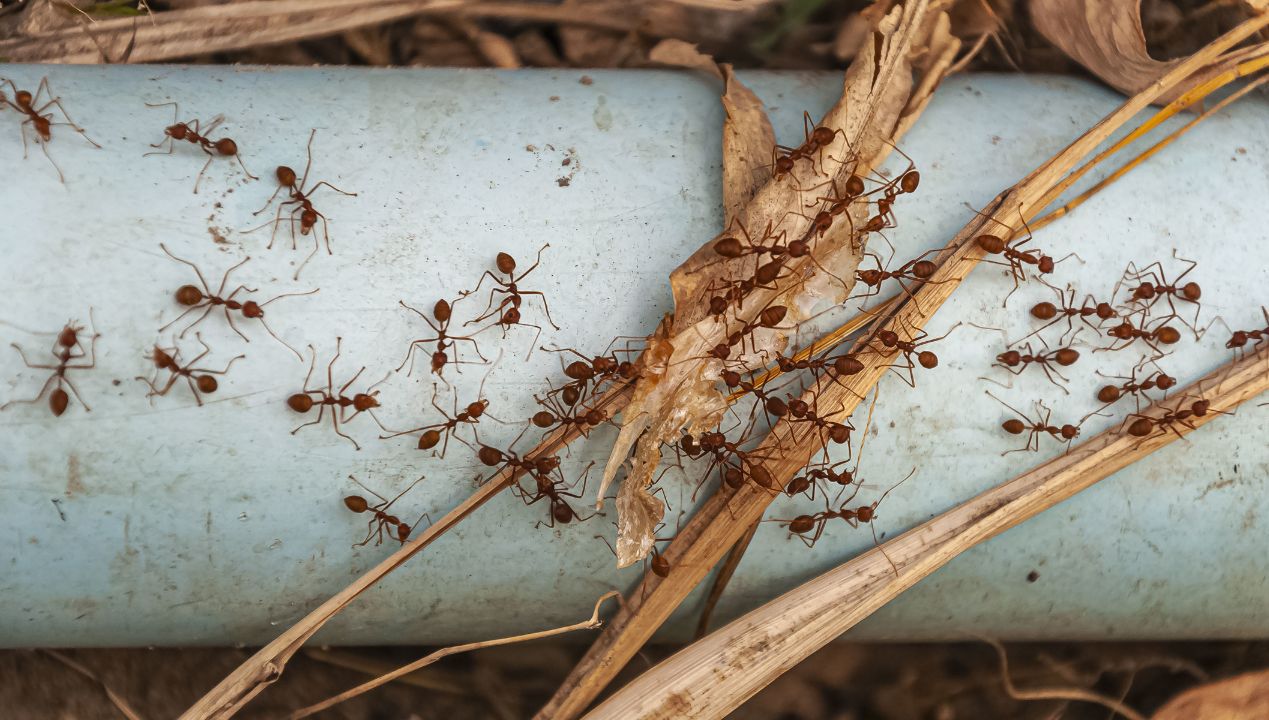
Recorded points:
714,676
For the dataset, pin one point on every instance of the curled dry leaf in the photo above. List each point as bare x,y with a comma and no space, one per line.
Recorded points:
1243,696
682,392
1105,36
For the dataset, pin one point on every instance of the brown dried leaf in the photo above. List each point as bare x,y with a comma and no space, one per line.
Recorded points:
682,393
1105,36
1243,696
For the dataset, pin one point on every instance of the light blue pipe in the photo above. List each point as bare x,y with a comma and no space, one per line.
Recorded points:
169,524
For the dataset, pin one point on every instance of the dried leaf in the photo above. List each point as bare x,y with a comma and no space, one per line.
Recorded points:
1105,36
1242,696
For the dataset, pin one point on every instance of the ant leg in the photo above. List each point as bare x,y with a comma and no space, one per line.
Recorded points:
544,305
270,201
202,317
168,140
206,165
334,419
313,189
37,398
308,165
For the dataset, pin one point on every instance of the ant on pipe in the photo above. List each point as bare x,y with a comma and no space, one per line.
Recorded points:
1153,285
1016,259
194,298
380,521
1128,332
889,340
508,309
443,311
1065,309
1238,339
366,402
201,381
555,413
596,368
803,524
303,208
1145,426
809,480
1014,426
1111,394
918,270
436,432
771,406
67,348
192,133
802,411
25,103
1046,361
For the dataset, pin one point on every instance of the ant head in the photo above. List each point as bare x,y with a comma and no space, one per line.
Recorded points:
356,503
207,384
799,408
798,248
1046,264
1044,311
490,456
1067,356
226,147
854,186
1108,394
772,316
627,370
177,131
161,359
717,305
660,566
889,338
252,309
510,317
802,524
689,447
1144,291
1141,427
1013,426
68,336
924,269
865,513
363,402
1070,432
579,370
286,176
429,439
783,165
1191,291
570,395
720,351
713,440
729,247
822,136
57,402
546,464
506,264
43,127
1238,339
731,378
1200,407
823,221
990,244
1123,331
839,433
439,358
847,365
1105,311
308,218
300,402
477,408
928,359
403,532
594,416
870,277
543,419
910,180
22,98
1009,357
189,295
1168,335
1164,381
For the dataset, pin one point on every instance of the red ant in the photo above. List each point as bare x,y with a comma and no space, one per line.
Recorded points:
803,524
802,411
1238,339
917,270
889,340
380,520
1110,394
365,402
817,138
443,311
194,298
192,133
734,464
809,480
200,380
1128,332
1014,426
302,200
1066,310
540,470
768,319
434,433
595,369
1015,258
555,414
25,103
66,348
508,309
1156,285
1145,426
1065,357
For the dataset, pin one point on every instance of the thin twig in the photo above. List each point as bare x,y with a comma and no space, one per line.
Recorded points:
588,624
1057,693
115,698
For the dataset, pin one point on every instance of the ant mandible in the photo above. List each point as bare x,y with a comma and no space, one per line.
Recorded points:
66,348
191,132
24,102
194,298
302,200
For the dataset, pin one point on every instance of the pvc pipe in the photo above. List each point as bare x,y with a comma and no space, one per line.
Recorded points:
166,523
